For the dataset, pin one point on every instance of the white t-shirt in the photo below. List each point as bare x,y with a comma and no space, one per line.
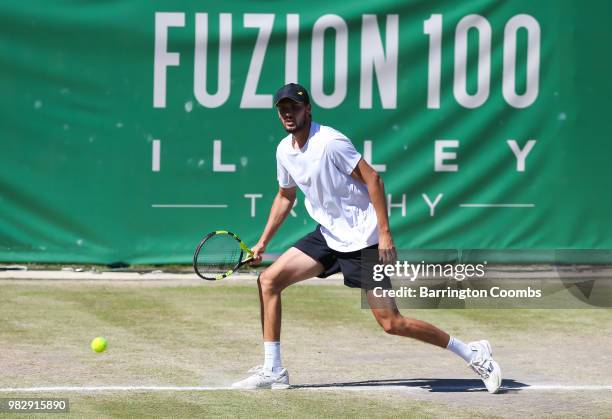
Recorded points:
322,170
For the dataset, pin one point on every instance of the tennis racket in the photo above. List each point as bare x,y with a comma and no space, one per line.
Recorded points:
219,255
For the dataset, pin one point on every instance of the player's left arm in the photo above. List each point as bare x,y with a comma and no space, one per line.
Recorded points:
363,172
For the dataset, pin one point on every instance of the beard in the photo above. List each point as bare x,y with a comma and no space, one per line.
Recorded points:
297,127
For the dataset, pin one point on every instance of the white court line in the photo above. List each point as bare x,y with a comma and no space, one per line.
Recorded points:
189,206
535,387
553,387
107,388
497,205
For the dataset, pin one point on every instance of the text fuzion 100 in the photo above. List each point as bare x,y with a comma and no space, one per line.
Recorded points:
378,58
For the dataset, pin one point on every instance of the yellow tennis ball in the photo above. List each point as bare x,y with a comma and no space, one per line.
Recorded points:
99,344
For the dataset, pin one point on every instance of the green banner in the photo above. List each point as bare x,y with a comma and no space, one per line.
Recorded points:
131,129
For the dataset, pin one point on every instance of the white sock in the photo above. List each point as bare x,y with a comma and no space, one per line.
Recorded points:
460,348
272,356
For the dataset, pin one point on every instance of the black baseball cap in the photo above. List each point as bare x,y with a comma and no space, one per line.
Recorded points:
292,91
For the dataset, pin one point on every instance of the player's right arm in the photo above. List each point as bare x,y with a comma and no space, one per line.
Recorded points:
281,206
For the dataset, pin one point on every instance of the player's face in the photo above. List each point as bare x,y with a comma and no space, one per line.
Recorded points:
293,115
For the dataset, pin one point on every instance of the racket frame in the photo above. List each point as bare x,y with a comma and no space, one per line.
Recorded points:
243,246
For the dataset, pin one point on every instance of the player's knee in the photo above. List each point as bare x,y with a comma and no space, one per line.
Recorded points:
391,325
268,282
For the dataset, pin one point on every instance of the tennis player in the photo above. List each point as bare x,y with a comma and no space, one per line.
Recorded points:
346,197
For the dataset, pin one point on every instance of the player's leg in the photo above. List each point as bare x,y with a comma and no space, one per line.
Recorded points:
388,316
291,267
478,354
357,268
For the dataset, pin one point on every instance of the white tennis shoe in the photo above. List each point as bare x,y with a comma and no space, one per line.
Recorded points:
264,379
483,364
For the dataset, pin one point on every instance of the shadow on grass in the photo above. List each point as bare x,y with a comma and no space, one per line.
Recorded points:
434,385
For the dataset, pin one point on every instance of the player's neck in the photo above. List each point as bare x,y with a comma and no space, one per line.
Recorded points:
300,137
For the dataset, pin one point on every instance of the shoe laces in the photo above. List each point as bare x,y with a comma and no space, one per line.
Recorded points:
480,370
479,364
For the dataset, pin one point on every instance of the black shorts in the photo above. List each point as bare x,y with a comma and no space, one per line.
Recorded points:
356,268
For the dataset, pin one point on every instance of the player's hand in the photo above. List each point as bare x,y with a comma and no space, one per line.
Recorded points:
386,248
258,251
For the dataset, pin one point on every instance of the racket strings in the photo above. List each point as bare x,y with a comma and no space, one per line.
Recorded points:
219,254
